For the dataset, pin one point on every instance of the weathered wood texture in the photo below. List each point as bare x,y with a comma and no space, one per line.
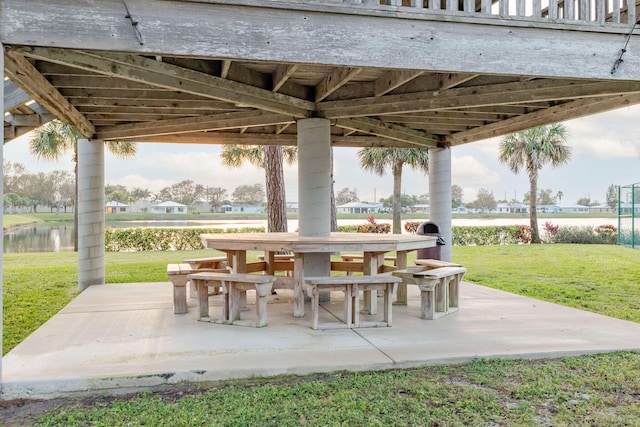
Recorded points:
405,74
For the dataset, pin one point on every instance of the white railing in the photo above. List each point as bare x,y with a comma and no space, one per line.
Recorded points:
601,12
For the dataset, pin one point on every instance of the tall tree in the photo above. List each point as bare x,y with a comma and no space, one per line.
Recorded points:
346,196
271,159
56,138
612,197
377,159
531,150
456,195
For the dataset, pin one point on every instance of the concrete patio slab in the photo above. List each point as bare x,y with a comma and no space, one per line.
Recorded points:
119,338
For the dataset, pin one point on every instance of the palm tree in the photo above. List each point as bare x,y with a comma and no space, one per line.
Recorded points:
56,138
531,150
377,159
271,159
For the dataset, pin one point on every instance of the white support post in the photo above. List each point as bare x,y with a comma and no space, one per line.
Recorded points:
314,192
440,196
1,214
91,267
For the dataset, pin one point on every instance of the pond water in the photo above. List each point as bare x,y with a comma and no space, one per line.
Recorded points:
59,237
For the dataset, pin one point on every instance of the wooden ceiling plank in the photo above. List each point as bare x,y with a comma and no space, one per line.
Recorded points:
388,130
25,75
559,113
224,70
338,78
392,80
194,124
168,76
14,96
282,74
215,138
502,94
448,81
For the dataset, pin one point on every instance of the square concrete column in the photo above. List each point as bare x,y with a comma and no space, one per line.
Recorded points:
314,188
440,195
91,264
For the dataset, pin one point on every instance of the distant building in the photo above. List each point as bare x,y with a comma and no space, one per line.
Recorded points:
359,208
169,208
513,207
600,208
574,209
244,209
549,209
460,210
114,207
421,207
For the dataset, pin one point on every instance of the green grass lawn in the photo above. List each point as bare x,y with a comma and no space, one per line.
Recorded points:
589,390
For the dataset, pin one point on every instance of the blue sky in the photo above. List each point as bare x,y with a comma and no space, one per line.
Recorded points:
606,150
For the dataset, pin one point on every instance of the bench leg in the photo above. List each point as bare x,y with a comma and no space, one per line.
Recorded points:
315,307
388,301
454,291
355,296
348,306
261,311
203,300
427,305
235,302
440,291
179,299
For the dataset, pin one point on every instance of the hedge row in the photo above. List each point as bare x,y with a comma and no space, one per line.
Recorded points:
164,239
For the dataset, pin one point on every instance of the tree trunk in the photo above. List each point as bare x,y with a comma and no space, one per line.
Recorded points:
334,216
276,199
397,195
533,214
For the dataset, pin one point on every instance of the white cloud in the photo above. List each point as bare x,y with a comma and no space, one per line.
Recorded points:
468,171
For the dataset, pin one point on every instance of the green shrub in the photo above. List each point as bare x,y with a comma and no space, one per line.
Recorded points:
162,239
487,235
584,234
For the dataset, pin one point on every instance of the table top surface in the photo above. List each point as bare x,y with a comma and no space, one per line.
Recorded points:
335,242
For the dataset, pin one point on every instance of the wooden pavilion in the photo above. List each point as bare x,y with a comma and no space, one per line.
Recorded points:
313,73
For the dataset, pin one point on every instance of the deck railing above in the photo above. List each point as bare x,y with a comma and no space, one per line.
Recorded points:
599,12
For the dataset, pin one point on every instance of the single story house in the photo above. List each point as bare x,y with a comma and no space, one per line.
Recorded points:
359,208
114,207
169,208
244,209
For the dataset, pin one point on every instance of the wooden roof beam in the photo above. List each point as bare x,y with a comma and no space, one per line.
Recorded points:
14,96
215,138
338,78
168,76
392,80
389,131
470,97
193,124
27,77
282,74
559,113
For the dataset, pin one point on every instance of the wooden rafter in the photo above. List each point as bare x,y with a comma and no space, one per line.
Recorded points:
389,131
27,77
168,76
14,96
282,74
501,94
194,124
214,138
567,111
338,78
392,80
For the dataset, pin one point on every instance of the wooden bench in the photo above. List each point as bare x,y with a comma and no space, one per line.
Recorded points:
233,286
351,285
439,287
435,263
214,264
357,259
178,274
